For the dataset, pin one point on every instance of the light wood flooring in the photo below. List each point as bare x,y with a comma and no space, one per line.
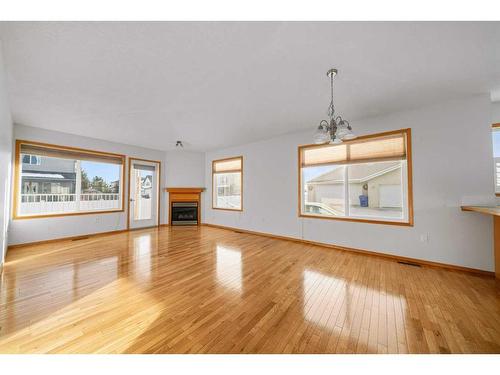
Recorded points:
209,290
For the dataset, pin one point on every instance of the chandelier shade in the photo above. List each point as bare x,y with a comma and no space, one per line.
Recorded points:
321,135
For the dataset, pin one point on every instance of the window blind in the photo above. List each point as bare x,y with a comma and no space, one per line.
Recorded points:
228,165
374,148
68,153
143,167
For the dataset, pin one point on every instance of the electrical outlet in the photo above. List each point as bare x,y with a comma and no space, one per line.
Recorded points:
424,237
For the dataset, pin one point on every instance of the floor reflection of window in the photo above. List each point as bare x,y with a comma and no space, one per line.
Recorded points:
325,299
142,257
354,309
229,268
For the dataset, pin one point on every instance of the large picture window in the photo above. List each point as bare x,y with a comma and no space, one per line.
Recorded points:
227,183
367,179
56,180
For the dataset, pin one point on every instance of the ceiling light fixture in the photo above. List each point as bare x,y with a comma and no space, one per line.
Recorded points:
337,129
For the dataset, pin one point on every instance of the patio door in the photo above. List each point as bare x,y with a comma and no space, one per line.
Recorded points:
144,192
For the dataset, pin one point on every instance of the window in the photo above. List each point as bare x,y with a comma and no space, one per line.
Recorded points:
55,180
227,183
367,179
31,159
495,135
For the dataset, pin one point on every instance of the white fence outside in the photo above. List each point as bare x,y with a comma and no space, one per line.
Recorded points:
229,201
38,204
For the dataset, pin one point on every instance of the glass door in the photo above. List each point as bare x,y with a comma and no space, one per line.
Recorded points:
144,193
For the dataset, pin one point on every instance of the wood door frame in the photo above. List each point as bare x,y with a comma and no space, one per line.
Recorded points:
130,160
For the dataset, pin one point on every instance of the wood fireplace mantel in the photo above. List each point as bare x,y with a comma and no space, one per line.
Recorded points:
184,190
184,194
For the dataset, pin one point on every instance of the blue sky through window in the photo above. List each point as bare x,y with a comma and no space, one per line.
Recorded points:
311,172
109,172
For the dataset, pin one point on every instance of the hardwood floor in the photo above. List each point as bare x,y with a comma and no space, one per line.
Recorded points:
209,290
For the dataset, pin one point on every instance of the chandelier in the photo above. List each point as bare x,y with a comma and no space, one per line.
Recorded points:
336,129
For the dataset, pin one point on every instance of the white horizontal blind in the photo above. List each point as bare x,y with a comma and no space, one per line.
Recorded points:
227,165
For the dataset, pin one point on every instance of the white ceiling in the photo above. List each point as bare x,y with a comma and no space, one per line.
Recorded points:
215,84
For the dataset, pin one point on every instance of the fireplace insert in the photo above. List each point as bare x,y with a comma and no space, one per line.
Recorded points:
184,213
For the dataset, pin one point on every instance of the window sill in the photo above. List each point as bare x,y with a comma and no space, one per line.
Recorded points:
45,216
228,209
368,221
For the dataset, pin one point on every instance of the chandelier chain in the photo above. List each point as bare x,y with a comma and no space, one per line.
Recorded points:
331,108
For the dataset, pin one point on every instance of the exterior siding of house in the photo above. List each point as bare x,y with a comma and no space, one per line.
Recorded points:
333,194
45,184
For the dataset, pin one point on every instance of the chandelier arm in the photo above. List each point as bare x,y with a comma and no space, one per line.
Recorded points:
324,123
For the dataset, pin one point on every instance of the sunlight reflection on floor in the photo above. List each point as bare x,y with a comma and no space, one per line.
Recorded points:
85,335
142,257
229,268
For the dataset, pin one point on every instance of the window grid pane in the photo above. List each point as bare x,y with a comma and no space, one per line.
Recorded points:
376,190
227,190
324,190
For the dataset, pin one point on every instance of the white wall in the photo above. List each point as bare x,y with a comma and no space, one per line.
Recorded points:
30,230
186,169
495,113
452,165
5,161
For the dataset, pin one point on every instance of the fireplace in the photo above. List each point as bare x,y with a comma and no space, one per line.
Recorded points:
184,213
184,205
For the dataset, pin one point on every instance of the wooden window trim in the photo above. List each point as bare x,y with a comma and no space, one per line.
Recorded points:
17,168
130,159
409,164
241,183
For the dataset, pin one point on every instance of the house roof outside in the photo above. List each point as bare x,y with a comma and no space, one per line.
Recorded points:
43,175
362,173
147,180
